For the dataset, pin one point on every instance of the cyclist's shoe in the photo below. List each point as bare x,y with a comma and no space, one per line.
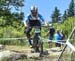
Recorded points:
31,46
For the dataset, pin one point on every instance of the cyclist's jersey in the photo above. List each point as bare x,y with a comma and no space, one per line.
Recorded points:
31,18
57,37
51,31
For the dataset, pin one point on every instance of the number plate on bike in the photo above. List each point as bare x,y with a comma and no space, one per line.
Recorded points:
37,30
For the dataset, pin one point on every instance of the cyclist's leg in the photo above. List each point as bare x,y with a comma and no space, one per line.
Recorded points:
50,40
37,38
27,31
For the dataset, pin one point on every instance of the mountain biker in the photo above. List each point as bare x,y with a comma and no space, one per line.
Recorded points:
50,33
33,19
57,38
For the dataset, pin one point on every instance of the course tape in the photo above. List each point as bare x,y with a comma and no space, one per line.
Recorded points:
43,39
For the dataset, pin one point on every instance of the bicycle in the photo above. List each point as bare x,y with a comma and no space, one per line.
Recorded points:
37,41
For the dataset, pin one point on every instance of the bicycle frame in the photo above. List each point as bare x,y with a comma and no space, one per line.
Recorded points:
37,42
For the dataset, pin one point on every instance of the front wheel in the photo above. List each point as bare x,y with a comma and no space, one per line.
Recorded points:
37,44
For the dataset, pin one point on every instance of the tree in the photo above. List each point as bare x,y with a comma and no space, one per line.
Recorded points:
5,11
64,17
71,9
55,16
7,5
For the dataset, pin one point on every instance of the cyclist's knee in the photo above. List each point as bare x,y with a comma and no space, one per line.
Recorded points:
28,35
27,32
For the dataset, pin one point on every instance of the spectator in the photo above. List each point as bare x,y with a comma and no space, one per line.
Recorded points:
57,38
51,35
62,35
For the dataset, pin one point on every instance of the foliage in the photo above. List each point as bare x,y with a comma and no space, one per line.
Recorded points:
71,9
67,26
6,4
17,30
65,16
55,16
10,28
6,7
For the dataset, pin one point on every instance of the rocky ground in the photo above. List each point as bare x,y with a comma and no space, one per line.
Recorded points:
12,53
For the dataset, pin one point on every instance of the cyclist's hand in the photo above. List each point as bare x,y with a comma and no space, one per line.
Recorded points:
26,25
43,24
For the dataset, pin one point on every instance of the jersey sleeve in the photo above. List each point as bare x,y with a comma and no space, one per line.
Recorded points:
41,17
27,19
